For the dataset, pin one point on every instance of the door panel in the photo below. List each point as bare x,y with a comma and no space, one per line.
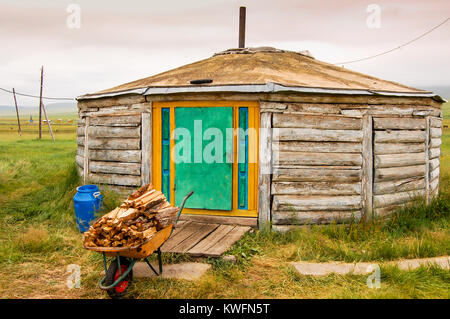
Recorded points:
204,166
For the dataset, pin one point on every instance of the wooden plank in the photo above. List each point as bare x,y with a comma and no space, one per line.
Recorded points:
397,198
396,186
112,131
203,231
314,217
435,122
86,150
367,167
319,175
399,123
80,151
117,121
315,188
434,184
265,169
308,134
318,147
399,136
316,202
184,233
435,142
317,159
223,220
435,132
115,143
146,163
328,122
398,148
399,160
395,173
427,160
80,130
435,153
115,179
225,244
126,156
211,240
115,168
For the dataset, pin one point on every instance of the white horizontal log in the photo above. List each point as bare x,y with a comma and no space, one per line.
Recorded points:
79,160
399,136
435,132
435,142
397,198
324,147
127,156
115,168
316,175
80,151
434,163
309,134
403,185
315,159
111,131
315,188
314,217
328,122
114,143
124,120
80,130
309,203
435,152
399,123
435,122
395,173
434,173
434,184
397,148
398,160
115,179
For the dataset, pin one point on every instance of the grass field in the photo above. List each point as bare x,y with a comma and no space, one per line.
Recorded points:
39,239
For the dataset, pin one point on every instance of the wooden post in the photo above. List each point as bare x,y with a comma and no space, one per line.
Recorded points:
242,27
367,167
146,148
427,161
40,104
17,112
86,150
48,123
265,170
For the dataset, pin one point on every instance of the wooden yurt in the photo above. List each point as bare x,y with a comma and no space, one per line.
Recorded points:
310,142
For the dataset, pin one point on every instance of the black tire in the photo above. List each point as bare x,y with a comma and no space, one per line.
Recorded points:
112,274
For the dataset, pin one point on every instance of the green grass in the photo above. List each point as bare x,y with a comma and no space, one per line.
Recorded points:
39,239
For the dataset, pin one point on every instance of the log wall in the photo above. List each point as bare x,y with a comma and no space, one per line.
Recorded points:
333,157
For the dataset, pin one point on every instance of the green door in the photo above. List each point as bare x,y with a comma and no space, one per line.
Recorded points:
204,164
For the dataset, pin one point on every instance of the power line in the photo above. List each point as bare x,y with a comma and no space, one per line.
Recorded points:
396,48
37,97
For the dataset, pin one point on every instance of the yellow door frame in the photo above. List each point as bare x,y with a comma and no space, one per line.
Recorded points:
253,122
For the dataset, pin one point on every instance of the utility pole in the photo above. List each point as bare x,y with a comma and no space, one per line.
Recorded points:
40,104
17,112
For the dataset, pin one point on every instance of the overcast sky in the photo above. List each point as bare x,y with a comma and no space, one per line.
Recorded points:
121,41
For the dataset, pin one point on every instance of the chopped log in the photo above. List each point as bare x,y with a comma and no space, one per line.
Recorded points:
111,131
395,173
125,156
115,168
399,123
321,203
316,174
316,121
397,198
435,142
115,143
318,147
317,159
399,160
398,148
435,132
124,120
309,134
315,188
435,122
435,152
313,217
403,185
434,163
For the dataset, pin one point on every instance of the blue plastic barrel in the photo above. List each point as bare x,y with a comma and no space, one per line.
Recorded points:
87,201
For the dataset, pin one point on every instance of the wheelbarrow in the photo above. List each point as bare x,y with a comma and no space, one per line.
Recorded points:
119,274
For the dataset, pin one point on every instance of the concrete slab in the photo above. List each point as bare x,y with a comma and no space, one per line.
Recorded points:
407,264
187,271
324,269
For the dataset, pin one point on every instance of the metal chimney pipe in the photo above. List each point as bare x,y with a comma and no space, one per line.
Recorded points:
242,27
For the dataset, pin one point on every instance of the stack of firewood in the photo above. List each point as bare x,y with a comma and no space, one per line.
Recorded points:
145,212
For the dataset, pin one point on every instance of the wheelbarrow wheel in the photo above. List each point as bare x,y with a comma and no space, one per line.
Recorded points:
112,274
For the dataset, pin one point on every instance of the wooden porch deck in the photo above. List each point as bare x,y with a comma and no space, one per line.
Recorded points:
203,239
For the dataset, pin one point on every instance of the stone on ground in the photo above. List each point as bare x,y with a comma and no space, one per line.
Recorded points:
187,271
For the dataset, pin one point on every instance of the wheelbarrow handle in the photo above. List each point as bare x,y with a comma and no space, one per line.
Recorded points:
182,204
